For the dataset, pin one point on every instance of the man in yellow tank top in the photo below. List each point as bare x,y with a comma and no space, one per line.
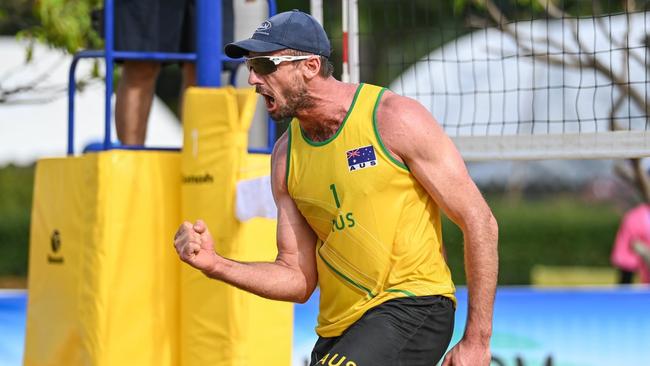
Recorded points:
359,180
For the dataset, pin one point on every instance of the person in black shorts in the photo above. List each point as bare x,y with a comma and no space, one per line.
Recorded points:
400,332
360,179
153,26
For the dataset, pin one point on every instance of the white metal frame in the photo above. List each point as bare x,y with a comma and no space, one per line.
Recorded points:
316,9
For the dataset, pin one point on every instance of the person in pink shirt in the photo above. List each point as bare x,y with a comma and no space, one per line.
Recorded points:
631,251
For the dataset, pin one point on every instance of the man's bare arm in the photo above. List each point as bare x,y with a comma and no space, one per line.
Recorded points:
413,136
291,277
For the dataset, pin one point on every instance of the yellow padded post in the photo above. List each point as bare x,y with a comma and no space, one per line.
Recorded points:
103,274
222,325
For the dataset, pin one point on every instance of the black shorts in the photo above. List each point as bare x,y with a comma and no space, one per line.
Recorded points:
162,25
409,331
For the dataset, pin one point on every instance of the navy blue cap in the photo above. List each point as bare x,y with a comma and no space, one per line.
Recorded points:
291,29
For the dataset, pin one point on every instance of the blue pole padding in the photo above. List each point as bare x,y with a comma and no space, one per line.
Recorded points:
108,47
273,9
209,43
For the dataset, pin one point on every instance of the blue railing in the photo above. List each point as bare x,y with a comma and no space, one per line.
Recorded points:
209,60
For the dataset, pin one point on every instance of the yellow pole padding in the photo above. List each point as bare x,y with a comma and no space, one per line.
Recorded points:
221,325
103,274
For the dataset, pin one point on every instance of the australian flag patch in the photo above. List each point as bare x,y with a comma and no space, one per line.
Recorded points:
361,158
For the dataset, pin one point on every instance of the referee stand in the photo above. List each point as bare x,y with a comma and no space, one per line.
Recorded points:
105,285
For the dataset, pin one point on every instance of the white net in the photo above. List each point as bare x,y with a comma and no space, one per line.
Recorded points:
559,80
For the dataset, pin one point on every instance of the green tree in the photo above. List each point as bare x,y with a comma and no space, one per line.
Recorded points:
64,24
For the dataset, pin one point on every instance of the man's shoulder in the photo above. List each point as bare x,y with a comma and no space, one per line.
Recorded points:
390,99
399,111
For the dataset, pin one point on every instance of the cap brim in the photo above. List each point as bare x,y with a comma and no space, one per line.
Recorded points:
243,48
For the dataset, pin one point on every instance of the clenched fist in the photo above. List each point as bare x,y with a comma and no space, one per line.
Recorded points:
195,247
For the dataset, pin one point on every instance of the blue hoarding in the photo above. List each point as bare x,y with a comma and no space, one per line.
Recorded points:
532,327
535,327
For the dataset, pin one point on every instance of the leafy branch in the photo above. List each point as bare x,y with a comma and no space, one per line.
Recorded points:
62,24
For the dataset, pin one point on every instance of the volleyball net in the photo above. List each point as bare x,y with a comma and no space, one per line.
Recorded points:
525,79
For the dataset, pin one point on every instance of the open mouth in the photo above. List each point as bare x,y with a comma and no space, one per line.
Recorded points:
269,100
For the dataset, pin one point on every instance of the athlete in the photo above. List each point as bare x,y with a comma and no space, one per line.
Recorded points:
359,179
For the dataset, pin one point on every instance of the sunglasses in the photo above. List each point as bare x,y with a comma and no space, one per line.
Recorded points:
264,65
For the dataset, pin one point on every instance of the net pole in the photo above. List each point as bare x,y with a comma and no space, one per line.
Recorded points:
345,73
353,45
316,9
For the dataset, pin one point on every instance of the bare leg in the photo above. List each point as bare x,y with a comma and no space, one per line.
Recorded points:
133,100
189,79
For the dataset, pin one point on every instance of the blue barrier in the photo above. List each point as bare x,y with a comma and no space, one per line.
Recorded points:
539,327
532,327
13,305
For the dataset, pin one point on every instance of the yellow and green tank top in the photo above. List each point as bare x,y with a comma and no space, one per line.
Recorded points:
378,230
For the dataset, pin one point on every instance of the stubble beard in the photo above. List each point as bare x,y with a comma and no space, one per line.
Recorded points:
296,99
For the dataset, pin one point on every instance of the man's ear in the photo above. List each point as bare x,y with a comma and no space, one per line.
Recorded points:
311,67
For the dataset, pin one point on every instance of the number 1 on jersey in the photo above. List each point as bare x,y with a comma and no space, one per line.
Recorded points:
336,196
